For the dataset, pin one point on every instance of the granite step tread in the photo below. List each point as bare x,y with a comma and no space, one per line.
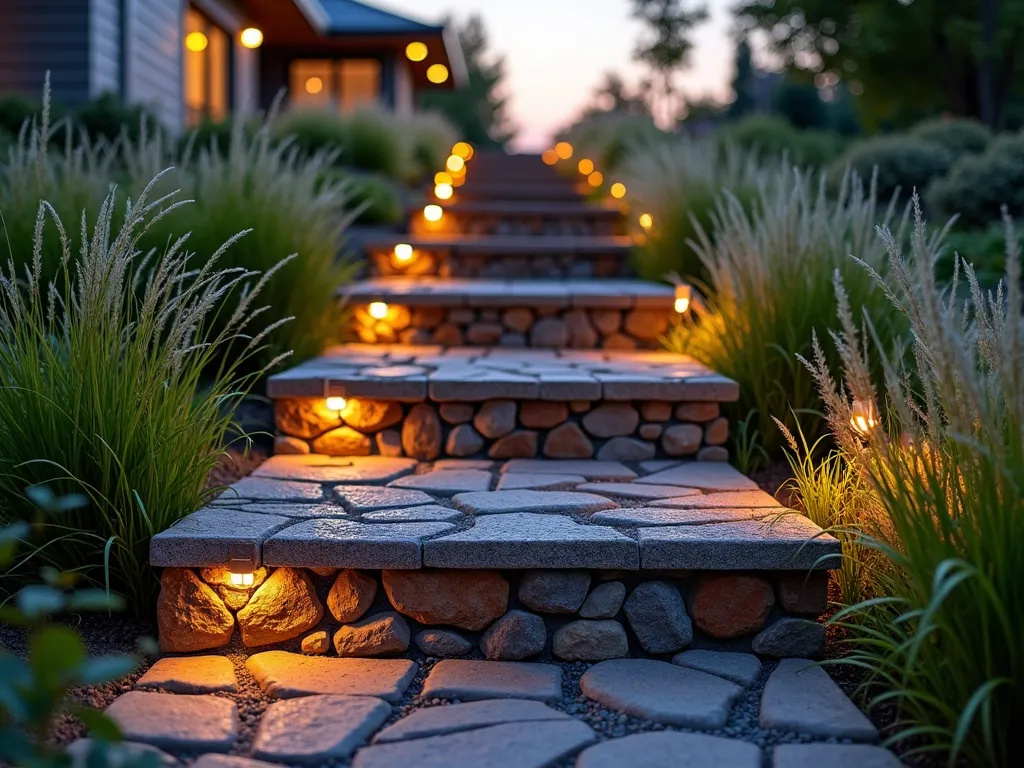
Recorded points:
546,208
580,245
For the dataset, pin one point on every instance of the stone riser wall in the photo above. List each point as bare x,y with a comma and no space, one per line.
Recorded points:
484,224
538,264
544,327
576,615
503,429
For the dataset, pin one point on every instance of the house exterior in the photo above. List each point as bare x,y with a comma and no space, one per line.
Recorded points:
192,60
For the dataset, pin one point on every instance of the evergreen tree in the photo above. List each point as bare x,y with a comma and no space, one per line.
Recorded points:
742,83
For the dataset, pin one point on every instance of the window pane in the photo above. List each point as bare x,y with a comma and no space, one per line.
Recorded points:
196,45
310,82
358,83
217,61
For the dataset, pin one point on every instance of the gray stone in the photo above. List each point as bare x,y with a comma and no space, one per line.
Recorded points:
463,440
125,753
800,696
649,516
348,544
626,449
432,513
434,721
212,536
703,475
515,636
524,745
587,640
524,540
287,675
712,453
668,749
190,674
612,420
657,465
741,668
554,591
178,723
442,642
591,469
789,542
315,729
726,500
376,635
638,490
317,468
447,482
269,489
495,418
658,617
681,439
791,637
229,761
513,481
833,756
444,465
665,693
421,433
305,510
357,498
604,601
499,502
471,680
549,332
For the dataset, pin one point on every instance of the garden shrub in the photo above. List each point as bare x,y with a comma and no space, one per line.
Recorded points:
902,163
986,248
773,138
369,139
114,386
379,200
429,138
15,111
977,186
107,117
958,136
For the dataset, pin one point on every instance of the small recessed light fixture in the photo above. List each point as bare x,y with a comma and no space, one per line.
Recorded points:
683,294
251,37
403,252
564,150
433,212
336,403
378,310
241,571
443,191
618,190
646,220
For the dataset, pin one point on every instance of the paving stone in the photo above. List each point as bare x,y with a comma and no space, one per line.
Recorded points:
656,613
305,510
554,591
588,468
286,675
665,693
638,490
348,544
524,745
434,721
376,635
125,753
174,722
740,668
212,536
800,696
464,599
567,441
526,540
565,387
648,516
730,605
190,674
727,500
791,637
587,640
431,513
514,481
671,750
626,449
472,680
314,729
351,595
229,761
499,502
368,470
515,636
833,756
284,607
448,482
270,489
443,643
362,499
604,601
702,475
657,465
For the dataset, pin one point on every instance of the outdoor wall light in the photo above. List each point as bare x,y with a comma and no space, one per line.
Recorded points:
437,73
563,150
336,403
403,252
196,42
314,85
549,156
863,417
596,179
618,190
646,220
455,163
433,213
443,191
251,37
463,149
586,166
682,299
378,310
416,51
241,571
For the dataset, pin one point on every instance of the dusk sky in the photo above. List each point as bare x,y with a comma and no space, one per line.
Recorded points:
557,51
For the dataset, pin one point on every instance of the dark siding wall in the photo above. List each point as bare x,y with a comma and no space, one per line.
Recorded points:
41,35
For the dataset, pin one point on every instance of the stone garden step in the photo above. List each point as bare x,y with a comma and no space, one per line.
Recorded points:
521,217
521,245
563,209
544,189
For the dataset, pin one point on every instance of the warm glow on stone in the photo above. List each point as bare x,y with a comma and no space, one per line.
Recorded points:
437,73
433,213
463,149
443,191
683,294
378,310
586,166
549,157
196,41
618,190
596,179
403,252
251,37
564,150
455,163
646,220
416,51
337,403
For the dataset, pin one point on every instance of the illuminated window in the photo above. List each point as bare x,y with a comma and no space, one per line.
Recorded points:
359,83
346,84
310,82
207,69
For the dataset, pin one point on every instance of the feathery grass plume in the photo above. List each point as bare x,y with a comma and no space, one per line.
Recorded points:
943,642
429,138
772,266
105,386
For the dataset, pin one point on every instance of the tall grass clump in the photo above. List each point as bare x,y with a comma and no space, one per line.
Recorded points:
429,138
946,466
771,266
679,184
114,387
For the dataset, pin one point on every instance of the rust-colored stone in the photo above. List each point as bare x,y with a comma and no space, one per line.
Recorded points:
650,431
607,321
448,335
581,333
290,446
656,411
805,593
283,608
421,433
731,605
619,341
612,420
646,324
457,413
521,444
304,417
568,441
699,412
542,414
343,441
464,599
351,595
371,415
427,317
518,319
399,317
681,439
189,614
316,643
717,432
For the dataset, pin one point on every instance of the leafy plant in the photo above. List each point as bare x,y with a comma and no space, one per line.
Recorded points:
899,163
774,138
108,118
959,136
429,138
748,454
978,186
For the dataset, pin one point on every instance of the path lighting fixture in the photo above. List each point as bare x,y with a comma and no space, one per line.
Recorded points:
378,310
442,177
437,73
455,163
586,166
416,51
433,213
683,294
463,149
251,37
549,156
646,220
596,179
564,150
241,571
443,191
196,42
403,252
863,417
336,404
618,190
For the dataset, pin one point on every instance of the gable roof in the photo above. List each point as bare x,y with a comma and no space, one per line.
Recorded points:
352,17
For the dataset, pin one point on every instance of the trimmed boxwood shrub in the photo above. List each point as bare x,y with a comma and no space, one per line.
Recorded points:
903,163
958,135
977,186
772,138
369,139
